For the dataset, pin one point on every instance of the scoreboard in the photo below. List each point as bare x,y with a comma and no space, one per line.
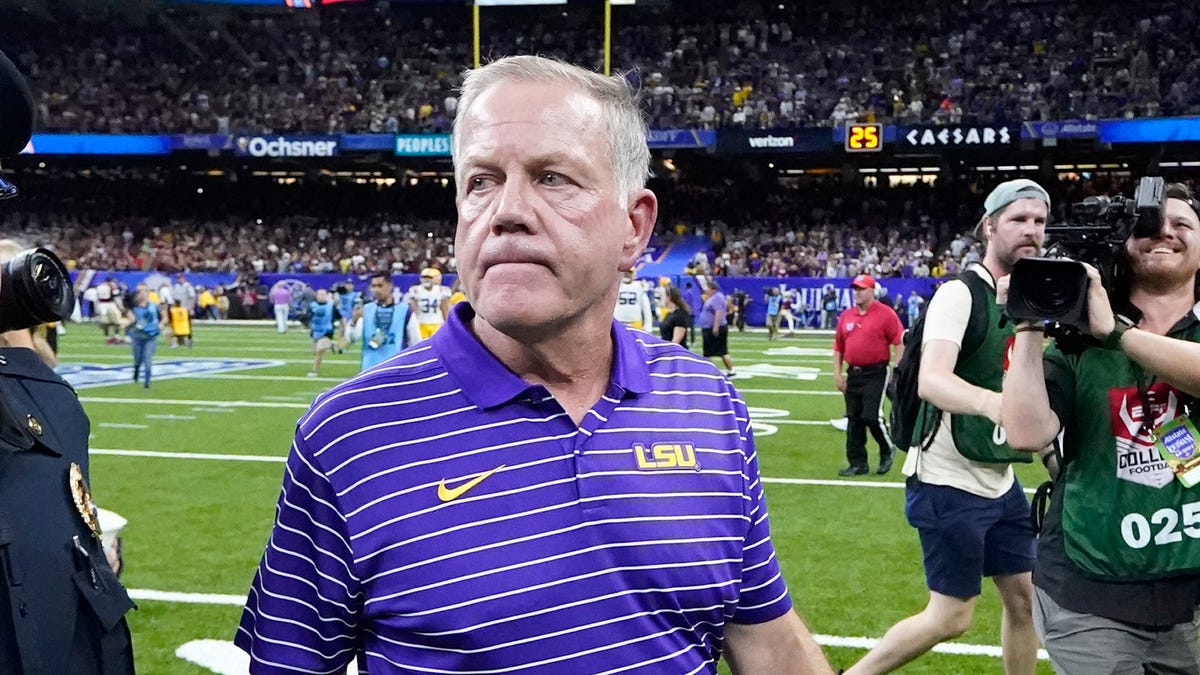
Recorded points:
864,137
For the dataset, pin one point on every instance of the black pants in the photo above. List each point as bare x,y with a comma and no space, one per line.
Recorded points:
864,392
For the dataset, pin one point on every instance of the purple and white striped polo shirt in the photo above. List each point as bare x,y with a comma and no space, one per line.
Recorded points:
445,516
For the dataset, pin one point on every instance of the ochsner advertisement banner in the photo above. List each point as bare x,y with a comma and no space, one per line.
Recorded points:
286,146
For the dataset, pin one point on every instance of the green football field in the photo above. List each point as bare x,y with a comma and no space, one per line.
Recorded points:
195,462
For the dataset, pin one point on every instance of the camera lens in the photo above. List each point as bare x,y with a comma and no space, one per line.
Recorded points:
1049,297
34,288
1048,290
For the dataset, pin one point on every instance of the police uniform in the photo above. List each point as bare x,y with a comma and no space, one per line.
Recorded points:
62,609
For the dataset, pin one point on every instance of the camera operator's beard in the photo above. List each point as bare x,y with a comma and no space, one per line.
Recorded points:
1017,252
1161,275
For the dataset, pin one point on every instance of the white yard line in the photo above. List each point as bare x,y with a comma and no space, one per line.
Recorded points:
186,455
200,402
805,392
187,598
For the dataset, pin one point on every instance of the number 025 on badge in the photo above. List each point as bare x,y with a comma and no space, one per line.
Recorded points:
1179,445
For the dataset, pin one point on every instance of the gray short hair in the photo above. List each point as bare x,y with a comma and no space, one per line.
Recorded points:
627,132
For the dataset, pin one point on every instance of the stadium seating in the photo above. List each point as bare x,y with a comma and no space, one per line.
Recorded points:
819,229
746,64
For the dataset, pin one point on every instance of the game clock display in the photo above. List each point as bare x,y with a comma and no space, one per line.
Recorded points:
864,137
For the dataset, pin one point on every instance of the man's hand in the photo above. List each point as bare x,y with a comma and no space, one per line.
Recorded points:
1101,319
839,381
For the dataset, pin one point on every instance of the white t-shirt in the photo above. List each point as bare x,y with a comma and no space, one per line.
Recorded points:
940,463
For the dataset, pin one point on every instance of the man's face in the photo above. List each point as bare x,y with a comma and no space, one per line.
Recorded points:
381,289
542,233
428,281
1018,232
322,295
864,296
1172,255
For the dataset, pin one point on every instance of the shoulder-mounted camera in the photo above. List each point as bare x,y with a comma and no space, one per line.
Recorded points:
1054,288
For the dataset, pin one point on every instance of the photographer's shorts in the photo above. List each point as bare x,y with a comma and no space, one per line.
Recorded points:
716,342
1085,644
965,537
322,344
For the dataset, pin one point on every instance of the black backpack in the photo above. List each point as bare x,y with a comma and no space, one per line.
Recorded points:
902,387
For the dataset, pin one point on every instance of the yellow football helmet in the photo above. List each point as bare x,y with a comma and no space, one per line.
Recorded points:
432,273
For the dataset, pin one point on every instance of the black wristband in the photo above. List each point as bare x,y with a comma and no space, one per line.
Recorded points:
1113,339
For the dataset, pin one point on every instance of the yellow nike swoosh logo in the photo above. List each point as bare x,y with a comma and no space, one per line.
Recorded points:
450,494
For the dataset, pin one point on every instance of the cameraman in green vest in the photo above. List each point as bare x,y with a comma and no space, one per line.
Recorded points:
1118,570
969,510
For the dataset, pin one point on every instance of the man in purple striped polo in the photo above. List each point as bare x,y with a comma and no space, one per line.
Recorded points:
536,489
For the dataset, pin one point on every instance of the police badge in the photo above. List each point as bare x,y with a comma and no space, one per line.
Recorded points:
82,497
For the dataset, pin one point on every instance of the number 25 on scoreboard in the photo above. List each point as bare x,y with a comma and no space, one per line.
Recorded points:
864,137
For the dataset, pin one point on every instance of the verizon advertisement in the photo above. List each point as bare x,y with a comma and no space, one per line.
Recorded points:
741,142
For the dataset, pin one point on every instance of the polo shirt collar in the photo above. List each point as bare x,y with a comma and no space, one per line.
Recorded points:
488,383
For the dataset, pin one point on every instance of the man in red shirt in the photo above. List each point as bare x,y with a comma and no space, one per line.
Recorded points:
867,335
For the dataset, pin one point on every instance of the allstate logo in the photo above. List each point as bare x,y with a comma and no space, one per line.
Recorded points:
1179,443
1050,129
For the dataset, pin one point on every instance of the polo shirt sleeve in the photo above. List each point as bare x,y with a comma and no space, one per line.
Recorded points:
763,594
304,606
895,329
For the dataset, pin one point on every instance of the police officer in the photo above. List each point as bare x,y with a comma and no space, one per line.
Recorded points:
62,609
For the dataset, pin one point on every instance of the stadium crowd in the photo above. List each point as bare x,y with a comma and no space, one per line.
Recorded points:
746,64
754,228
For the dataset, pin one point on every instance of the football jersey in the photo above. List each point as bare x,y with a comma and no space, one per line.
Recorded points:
633,305
429,303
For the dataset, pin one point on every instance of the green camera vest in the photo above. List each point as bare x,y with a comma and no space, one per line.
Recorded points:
980,362
1124,515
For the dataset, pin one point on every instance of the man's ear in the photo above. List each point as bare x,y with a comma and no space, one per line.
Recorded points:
641,216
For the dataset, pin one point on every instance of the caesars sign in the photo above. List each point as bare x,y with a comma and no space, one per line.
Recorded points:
956,136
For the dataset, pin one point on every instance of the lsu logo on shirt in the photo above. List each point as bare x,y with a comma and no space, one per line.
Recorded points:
661,456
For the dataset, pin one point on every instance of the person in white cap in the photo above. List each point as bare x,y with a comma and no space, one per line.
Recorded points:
968,507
